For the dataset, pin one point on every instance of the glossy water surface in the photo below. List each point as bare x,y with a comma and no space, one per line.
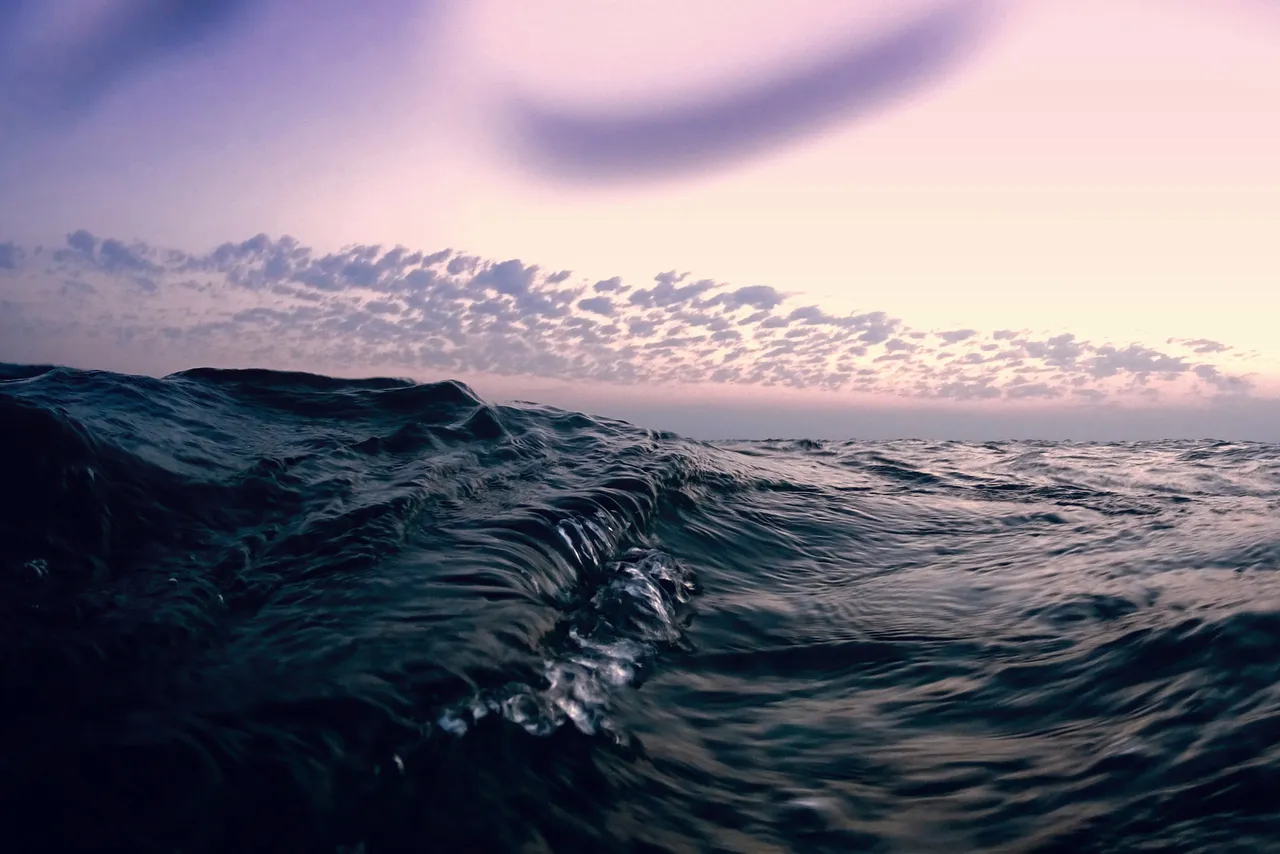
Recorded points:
252,611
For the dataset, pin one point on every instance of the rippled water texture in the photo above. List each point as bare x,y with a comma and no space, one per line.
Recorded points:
252,611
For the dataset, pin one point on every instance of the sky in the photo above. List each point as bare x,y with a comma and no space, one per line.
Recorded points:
959,219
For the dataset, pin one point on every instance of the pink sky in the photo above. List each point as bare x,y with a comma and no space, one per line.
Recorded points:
1104,168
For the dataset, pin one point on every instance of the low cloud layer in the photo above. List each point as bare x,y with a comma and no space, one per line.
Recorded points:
277,303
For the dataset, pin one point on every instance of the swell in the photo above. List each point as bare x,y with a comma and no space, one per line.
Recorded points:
236,604
254,611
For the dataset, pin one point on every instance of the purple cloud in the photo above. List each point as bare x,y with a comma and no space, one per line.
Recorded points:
60,80
597,305
276,303
1061,350
728,128
1200,345
508,277
606,286
132,35
1221,382
10,256
1134,359
50,81
666,292
755,296
1020,389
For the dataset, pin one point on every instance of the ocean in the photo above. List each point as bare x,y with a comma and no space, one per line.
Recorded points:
251,611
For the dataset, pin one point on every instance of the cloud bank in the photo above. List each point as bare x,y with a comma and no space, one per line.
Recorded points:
276,303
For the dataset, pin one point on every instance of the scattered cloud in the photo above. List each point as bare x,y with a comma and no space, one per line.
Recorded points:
614,285
957,335
597,305
277,303
10,256
1200,345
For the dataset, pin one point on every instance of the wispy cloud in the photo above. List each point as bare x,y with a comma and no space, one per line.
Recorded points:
54,77
10,256
742,122
61,57
277,303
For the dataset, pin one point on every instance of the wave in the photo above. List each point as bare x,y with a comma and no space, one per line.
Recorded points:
201,565
260,611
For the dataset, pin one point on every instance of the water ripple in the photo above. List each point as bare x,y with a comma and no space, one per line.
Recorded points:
255,611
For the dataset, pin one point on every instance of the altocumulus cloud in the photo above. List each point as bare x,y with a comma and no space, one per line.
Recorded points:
277,303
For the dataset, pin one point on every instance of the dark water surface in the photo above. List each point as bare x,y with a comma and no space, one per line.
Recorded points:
248,611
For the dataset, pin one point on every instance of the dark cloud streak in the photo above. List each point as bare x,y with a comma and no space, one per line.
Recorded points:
721,130
135,34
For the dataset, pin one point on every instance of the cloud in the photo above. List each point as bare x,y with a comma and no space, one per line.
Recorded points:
115,256
613,285
1200,345
508,277
1224,383
1020,389
58,66
123,37
597,305
1108,361
11,14
755,296
82,241
277,303
1060,350
10,256
666,292
734,125
47,77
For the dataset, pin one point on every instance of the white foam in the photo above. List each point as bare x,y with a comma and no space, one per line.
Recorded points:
632,614
452,723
